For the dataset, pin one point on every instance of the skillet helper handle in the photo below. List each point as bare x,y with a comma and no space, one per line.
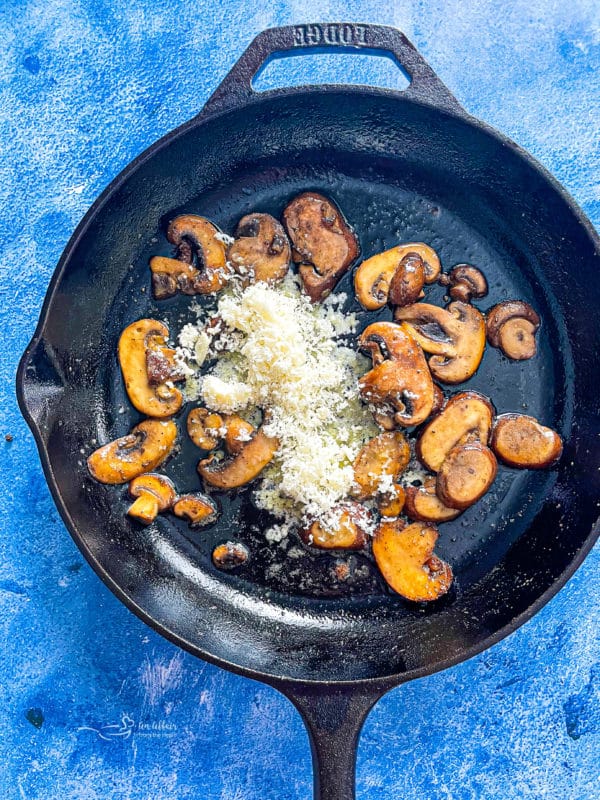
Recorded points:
333,717
236,88
39,386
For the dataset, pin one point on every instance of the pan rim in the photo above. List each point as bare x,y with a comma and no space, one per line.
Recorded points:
381,682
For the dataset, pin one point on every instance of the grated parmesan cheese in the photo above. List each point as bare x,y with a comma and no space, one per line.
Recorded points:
225,396
414,472
284,355
224,238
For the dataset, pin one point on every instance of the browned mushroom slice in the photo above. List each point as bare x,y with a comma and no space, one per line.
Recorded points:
405,557
197,236
170,276
512,326
238,433
406,286
455,335
423,504
198,509
261,250
373,277
230,555
466,282
521,441
243,467
208,247
205,428
154,493
142,450
391,502
322,240
467,417
399,385
345,530
149,397
466,474
380,460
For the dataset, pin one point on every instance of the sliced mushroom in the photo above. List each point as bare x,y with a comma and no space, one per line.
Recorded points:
407,562
205,428
380,460
512,326
423,504
345,530
521,441
466,282
374,276
142,450
136,341
154,493
172,275
261,250
467,417
391,502
198,509
238,433
230,555
322,240
243,467
455,335
466,474
197,236
399,385
406,286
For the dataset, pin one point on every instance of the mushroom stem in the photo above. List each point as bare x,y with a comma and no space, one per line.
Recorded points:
145,509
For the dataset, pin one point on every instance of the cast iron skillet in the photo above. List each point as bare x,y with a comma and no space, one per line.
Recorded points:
402,166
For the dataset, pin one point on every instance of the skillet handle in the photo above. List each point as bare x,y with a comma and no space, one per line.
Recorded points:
39,387
333,717
236,88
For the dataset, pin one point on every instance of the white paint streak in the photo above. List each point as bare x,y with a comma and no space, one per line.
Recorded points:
158,676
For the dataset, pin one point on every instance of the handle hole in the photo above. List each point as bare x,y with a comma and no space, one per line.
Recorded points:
330,66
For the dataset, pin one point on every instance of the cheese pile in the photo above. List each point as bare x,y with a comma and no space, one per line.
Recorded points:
279,353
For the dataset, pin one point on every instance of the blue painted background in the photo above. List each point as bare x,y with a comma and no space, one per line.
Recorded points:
93,705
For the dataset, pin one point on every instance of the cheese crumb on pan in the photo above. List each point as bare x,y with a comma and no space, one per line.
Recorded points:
285,356
225,396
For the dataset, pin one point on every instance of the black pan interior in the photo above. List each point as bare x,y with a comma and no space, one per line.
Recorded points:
400,172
